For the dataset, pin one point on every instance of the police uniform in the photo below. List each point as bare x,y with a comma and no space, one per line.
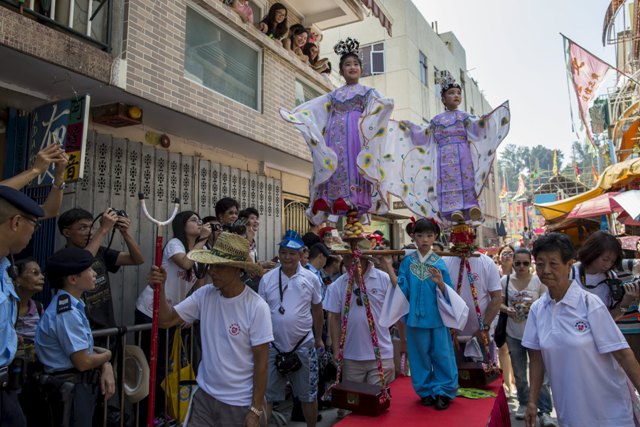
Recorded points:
10,412
63,330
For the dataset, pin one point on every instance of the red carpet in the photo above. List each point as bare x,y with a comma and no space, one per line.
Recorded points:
406,410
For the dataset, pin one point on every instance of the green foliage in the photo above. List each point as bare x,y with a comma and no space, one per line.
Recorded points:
514,159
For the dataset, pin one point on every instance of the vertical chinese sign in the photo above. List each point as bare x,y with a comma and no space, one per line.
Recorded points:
66,123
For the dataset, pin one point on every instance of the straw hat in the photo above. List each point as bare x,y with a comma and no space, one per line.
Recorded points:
231,250
136,374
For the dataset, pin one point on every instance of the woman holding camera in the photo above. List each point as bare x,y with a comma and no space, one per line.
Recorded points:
597,257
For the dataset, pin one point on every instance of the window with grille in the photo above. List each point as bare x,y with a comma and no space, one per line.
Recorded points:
218,60
424,70
372,59
304,92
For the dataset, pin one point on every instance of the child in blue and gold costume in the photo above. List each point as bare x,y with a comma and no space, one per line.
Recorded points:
434,373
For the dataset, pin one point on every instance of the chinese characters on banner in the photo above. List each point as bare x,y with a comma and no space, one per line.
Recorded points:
63,122
587,72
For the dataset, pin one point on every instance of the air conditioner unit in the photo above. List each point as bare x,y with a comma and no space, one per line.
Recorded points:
117,115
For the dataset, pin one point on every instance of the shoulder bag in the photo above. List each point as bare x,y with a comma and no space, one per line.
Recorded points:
500,336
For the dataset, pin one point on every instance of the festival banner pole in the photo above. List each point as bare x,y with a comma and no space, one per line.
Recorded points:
153,359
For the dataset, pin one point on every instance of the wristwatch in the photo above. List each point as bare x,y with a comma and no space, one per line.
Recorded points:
60,186
256,411
487,327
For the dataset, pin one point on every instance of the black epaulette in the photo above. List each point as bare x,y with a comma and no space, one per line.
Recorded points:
64,304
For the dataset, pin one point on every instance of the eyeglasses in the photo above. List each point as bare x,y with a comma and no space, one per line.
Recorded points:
519,263
358,296
82,228
35,222
196,220
507,255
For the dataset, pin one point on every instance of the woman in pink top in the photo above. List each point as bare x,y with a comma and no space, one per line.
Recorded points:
29,282
242,8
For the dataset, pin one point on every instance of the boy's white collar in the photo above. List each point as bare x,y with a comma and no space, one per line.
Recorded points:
424,258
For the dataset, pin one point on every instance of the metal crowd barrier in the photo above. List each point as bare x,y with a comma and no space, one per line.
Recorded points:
116,339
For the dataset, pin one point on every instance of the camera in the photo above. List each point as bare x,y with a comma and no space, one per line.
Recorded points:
120,212
616,287
629,266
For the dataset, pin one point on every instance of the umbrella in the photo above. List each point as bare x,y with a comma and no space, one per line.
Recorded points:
629,242
600,205
625,219
630,202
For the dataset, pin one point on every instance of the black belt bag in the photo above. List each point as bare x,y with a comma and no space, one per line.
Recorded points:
4,377
287,363
12,377
73,376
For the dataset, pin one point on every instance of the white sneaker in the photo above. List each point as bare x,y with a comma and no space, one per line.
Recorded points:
520,412
547,421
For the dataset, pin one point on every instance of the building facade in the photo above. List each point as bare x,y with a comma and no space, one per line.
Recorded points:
205,89
406,67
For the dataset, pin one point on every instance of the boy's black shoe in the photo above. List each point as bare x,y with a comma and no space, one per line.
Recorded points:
427,401
442,402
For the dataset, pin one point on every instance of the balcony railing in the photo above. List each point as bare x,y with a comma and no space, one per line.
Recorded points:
87,19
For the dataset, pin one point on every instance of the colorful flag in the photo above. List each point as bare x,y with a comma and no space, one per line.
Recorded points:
522,188
503,193
576,169
587,72
594,172
555,162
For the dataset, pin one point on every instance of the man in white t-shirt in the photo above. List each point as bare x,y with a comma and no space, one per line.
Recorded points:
359,361
294,297
235,332
486,280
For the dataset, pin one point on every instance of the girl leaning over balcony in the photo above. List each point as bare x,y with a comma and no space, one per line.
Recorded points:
274,25
298,36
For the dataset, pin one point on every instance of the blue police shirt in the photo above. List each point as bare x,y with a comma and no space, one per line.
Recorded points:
63,330
311,268
8,315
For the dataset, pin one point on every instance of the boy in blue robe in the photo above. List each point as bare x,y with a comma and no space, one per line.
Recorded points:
434,373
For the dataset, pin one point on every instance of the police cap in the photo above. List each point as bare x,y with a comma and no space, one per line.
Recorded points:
67,262
21,201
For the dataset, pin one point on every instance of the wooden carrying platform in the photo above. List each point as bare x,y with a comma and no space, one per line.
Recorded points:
359,398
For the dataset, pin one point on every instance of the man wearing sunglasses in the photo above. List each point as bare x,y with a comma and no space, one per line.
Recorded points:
18,221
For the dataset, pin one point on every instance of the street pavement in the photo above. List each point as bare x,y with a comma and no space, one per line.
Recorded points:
330,416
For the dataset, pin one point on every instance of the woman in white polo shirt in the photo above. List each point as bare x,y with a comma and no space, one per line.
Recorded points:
571,335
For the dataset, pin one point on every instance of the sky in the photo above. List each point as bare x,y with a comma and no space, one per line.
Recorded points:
515,52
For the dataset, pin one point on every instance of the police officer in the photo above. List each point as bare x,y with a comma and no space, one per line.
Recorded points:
18,220
64,344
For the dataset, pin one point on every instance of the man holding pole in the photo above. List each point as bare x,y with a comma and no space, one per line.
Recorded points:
235,333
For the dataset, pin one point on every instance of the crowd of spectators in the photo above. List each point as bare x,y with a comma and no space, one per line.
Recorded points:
296,38
212,272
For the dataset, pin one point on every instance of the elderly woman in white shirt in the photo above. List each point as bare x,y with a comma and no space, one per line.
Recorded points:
570,334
